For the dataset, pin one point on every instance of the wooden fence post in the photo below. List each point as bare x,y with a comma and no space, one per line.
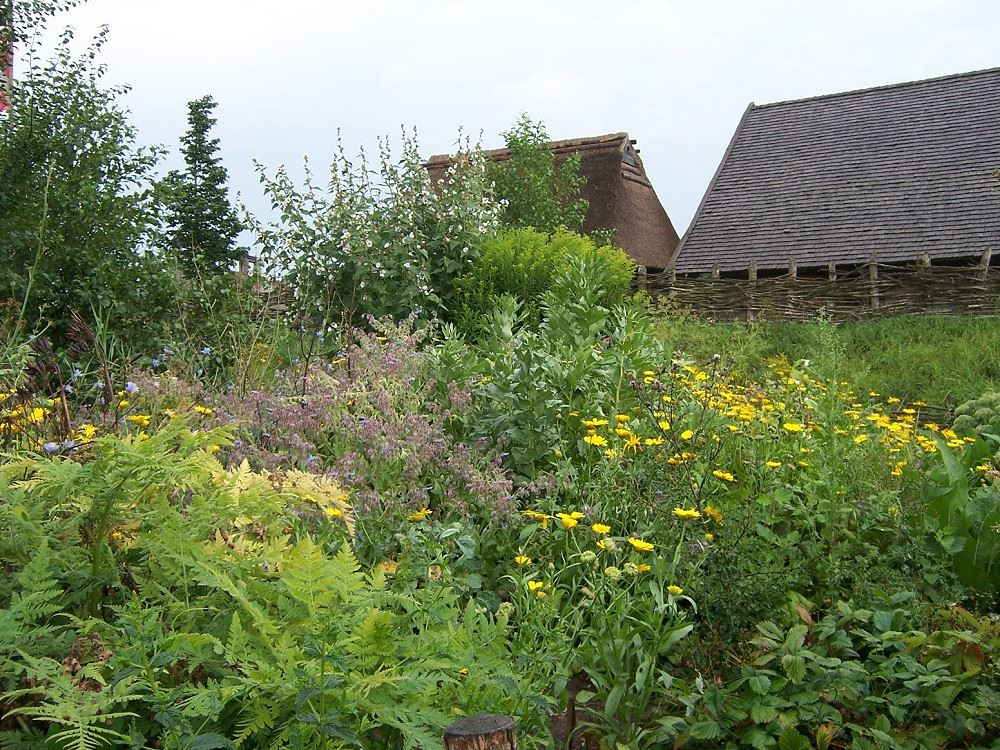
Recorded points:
873,279
751,288
793,269
984,264
481,732
643,278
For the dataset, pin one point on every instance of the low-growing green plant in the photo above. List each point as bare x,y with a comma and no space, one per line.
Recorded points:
862,677
979,415
582,355
615,612
151,596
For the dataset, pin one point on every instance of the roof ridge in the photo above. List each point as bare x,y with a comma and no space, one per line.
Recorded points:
881,87
565,143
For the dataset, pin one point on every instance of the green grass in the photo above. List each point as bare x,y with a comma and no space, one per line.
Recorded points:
940,359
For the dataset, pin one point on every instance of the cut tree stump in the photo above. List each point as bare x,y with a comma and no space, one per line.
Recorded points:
481,732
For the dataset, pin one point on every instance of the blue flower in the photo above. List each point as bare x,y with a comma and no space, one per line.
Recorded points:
206,350
51,448
69,445
77,373
155,363
131,388
67,388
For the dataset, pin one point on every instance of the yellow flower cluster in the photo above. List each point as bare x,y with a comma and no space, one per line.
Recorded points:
786,406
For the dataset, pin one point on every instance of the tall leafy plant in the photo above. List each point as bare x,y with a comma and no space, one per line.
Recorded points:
379,239
534,189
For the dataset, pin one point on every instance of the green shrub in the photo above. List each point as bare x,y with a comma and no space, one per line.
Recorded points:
525,262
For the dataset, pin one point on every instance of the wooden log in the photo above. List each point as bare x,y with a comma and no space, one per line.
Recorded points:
481,732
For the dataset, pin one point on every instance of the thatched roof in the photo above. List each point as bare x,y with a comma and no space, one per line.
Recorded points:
618,191
900,172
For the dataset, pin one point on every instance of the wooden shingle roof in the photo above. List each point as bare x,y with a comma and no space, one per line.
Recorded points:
895,171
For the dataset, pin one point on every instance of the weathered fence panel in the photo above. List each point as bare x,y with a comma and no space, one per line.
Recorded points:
865,291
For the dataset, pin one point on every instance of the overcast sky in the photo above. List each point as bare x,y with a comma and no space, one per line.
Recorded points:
677,76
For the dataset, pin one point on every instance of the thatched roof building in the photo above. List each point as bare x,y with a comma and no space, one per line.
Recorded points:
620,194
893,174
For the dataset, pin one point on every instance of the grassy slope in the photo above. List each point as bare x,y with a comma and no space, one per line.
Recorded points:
942,360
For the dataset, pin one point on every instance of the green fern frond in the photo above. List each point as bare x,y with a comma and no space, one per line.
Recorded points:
310,578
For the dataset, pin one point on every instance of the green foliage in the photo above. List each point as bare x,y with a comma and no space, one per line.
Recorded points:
76,206
602,614
524,263
583,353
380,241
979,415
201,223
963,511
863,677
225,330
212,608
939,359
23,21
534,190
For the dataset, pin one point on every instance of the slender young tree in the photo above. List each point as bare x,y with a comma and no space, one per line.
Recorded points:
202,224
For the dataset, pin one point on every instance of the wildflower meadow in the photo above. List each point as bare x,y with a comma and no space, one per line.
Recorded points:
428,460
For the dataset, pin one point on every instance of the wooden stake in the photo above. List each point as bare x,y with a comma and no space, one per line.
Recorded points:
752,271
642,278
984,263
831,270
481,732
873,278
924,261
715,271
793,268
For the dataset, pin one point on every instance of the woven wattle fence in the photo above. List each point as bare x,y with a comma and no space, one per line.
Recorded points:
865,291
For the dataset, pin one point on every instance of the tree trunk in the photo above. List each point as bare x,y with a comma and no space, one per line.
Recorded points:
481,732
